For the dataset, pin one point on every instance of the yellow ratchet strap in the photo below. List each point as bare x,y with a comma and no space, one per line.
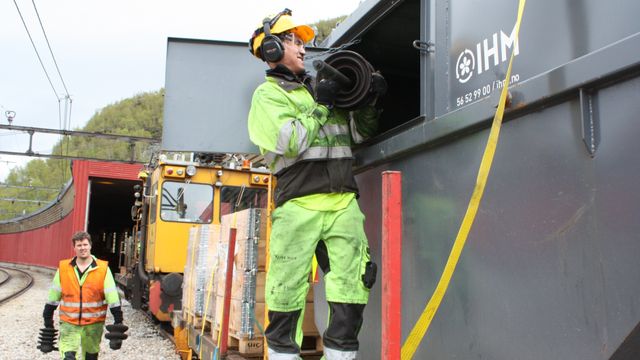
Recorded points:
206,306
420,328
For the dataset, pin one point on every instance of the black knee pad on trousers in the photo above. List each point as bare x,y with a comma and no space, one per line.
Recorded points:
70,355
281,331
344,325
89,356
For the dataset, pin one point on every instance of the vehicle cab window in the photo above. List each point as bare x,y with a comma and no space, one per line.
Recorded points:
186,202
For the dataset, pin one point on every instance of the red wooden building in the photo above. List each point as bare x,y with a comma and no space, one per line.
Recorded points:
97,200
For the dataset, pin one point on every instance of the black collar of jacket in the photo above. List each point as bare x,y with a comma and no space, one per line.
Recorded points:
73,262
288,80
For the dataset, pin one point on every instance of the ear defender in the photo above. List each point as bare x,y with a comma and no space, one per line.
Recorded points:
271,49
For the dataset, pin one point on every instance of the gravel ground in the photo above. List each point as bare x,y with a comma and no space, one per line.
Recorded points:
21,320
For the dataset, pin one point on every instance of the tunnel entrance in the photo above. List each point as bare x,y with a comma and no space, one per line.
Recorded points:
109,218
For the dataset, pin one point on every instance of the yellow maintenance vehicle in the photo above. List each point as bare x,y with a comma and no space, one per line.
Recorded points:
176,196
179,194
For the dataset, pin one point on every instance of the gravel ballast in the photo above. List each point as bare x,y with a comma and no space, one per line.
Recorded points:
21,320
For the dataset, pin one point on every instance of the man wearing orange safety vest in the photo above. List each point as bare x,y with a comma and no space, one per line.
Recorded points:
84,288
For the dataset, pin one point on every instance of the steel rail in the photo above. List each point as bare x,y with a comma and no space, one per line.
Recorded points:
7,277
19,292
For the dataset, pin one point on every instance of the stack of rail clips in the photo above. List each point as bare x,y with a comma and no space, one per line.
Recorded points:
248,277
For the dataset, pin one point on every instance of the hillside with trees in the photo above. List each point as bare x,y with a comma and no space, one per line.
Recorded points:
33,185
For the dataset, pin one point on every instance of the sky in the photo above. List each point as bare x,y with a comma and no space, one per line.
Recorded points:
107,51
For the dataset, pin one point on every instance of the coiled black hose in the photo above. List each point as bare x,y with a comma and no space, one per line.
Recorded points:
355,92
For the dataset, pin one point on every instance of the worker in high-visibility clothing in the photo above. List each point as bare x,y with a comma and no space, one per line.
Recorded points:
84,288
306,142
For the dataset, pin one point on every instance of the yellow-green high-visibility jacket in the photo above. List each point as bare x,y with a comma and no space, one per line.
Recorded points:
307,145
83,300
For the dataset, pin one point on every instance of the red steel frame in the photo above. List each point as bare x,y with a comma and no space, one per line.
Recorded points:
391,265
224,327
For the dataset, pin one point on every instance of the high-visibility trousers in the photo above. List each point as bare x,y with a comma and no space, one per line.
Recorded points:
295,235
72,337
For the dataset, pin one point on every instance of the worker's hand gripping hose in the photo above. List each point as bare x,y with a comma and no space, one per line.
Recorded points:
47,339
378,87
358,82
115,334
326,92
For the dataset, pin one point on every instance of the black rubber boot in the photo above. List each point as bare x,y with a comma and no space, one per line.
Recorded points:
89,356
70,355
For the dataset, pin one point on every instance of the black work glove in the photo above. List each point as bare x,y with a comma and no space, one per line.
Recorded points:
378,87
117,314
326,92
378,84
48,323
47,339
47,314
115,335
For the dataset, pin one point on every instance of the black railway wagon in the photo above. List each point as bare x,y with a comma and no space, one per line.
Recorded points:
550,269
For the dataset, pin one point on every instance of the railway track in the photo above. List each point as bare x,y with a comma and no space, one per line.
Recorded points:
14,283
5,277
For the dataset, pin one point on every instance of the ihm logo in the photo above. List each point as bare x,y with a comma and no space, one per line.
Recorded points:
486,55
465,66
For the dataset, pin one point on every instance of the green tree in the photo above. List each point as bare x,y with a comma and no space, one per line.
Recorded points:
324,28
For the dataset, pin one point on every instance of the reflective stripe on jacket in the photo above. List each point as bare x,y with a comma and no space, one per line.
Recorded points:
83,302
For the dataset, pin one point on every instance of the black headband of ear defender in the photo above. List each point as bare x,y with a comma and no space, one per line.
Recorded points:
273,50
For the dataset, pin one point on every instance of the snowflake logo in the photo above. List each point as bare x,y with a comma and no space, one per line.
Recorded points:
465,65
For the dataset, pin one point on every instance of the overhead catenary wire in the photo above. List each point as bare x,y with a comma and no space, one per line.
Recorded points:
50,50
66,123
37,53
64,120
68,101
